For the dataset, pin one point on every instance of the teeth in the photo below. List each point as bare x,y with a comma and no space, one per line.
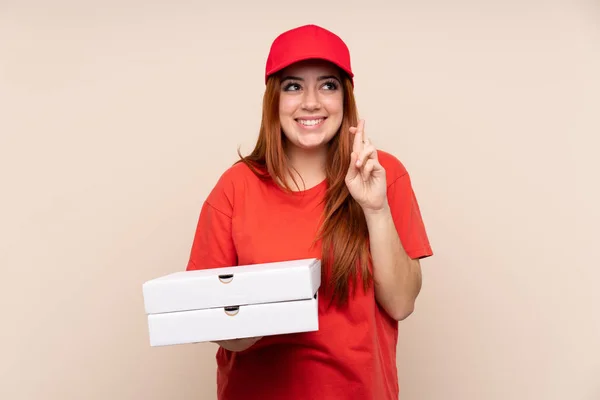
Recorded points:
310,122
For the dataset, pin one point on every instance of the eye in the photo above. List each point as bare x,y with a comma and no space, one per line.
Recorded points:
292,86
330,85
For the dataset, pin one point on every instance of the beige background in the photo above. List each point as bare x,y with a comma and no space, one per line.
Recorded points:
118,117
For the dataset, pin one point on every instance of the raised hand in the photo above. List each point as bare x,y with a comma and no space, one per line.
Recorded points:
365,178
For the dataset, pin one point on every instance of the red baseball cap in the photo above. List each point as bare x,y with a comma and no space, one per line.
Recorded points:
305,43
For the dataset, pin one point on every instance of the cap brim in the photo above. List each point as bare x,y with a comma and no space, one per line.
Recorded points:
278,68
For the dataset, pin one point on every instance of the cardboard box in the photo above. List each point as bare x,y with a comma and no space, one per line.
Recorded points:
233,302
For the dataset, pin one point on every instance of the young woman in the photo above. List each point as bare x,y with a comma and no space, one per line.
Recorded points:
315,186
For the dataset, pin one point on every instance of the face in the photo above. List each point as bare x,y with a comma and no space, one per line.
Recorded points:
311,104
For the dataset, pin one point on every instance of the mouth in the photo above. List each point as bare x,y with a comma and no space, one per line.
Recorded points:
310,123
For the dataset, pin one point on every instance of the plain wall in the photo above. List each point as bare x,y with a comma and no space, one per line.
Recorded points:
117,118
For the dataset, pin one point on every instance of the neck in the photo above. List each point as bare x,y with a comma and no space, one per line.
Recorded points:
309,166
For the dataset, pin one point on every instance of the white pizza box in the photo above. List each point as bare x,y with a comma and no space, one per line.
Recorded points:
231,286
224,323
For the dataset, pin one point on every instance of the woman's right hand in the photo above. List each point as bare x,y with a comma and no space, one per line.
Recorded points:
236,345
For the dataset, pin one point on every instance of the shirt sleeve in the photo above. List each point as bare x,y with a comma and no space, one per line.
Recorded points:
213,245
407,218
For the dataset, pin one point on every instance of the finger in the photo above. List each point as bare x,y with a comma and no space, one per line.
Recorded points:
367,170
353,170
356,142
367,153
367,141
358,137
361,128
371,167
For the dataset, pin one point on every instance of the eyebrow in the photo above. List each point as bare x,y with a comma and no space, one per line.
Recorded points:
321,78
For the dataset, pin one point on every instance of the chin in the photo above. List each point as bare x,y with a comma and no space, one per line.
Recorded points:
310,146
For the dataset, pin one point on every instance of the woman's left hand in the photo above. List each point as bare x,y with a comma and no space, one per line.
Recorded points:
366,179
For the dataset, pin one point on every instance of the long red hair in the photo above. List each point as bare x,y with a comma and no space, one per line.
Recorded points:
344,234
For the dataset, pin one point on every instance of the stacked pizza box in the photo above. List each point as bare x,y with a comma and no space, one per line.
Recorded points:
233,302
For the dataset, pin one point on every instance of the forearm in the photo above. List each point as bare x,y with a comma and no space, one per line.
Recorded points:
397,277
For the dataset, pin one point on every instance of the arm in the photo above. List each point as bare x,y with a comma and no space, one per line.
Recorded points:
397,277
397,234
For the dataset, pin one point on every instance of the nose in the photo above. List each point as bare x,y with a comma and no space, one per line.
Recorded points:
311,100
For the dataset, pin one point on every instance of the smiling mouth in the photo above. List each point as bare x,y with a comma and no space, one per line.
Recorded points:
309,123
